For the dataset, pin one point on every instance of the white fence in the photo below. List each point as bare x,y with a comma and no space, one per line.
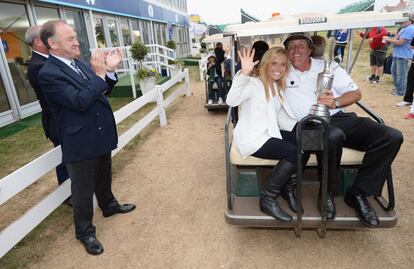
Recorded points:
22,178
202,66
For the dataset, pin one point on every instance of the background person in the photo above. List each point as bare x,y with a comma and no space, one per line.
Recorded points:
408,96
39,56
341,39
219,52
76,95
380,142
378,51
401,55
213,72
319,46
262,111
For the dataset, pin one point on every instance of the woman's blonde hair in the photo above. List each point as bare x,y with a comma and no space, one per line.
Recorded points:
267,59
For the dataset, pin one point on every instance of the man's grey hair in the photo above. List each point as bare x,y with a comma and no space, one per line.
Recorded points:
32,33
48,31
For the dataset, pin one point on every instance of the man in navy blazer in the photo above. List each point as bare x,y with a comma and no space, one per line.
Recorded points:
76,94
38,59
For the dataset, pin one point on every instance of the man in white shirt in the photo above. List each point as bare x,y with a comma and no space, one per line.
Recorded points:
380,142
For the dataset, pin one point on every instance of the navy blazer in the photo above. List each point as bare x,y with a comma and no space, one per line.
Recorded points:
49,123
86,124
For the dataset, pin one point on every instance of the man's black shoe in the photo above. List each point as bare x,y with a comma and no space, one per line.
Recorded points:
125,208
330,205
365,212
92,245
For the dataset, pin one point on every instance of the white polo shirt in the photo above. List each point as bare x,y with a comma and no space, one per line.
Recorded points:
301,87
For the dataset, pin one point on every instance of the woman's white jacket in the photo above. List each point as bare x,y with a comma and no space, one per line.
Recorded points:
259,119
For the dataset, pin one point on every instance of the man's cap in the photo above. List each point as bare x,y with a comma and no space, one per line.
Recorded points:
294,36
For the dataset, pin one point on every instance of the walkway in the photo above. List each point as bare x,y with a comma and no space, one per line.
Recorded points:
177,179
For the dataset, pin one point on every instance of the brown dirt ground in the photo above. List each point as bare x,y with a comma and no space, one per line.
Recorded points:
177,179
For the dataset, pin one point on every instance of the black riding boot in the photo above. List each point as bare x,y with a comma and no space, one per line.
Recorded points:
278,178
288,193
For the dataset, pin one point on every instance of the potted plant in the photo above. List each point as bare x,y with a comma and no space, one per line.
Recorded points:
177,66
171,44
138,52
146,76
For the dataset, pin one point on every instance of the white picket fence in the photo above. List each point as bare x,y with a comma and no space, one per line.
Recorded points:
17,181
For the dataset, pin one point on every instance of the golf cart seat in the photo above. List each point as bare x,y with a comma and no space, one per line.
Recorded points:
349,157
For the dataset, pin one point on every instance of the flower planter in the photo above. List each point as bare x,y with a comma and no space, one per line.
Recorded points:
147,84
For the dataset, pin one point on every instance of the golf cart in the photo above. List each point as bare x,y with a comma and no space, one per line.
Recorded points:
245,176
226,74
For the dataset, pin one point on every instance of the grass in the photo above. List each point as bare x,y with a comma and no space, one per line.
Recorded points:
29,144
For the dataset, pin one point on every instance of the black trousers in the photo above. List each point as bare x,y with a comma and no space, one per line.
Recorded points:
408,97
380,142
89,177
276,149
336,139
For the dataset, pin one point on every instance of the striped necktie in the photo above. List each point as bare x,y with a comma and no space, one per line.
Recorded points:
78,70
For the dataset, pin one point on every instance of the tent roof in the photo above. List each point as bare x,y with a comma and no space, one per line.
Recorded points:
216,38
310,22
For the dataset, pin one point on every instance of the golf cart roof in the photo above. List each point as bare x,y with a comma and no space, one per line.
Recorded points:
216,38
310,22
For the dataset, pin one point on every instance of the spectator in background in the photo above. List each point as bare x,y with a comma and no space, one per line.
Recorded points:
214,76
319,45
378,51
260,47
341,38
401,55
219,52
39,57
408,96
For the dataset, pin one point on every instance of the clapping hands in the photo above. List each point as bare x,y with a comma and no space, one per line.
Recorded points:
112,59
246,57
98,63
103,62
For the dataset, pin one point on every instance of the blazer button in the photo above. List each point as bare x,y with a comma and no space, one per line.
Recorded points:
99,128
97,113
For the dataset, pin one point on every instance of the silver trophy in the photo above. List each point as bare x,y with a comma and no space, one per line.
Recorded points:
325,79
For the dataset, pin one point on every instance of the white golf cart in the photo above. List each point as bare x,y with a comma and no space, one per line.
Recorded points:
245,176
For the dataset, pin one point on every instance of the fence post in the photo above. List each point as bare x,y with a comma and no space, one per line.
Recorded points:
160,103
131,74
187,83
200,68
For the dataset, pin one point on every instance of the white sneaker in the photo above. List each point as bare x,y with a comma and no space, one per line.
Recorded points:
402,104
210,102
220,101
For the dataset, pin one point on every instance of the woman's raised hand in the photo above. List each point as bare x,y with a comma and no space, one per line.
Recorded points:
246,58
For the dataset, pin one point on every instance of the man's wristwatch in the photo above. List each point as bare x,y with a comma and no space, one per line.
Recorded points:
337,104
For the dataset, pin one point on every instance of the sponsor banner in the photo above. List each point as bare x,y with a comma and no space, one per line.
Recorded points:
130,8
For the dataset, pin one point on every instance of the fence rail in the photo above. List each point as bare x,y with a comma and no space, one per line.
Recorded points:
17,181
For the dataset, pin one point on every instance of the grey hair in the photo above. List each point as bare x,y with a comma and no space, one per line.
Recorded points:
32,33
48,31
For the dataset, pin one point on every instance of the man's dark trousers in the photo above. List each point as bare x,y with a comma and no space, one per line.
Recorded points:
380,142
91,176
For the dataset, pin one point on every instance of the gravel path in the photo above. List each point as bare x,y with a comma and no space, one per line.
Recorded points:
177,179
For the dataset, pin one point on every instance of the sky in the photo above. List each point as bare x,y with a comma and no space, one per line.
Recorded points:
228,11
